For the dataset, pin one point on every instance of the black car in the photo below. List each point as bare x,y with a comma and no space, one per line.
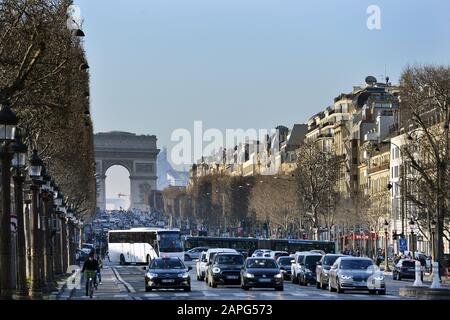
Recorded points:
323,268
261,273
285,263
225,269
405,269
167,273
307,270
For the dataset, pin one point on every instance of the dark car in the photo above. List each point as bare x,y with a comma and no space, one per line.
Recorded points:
307,270
167,273
261,273
285,263
323,268
244,252
405,269
225,269
353,273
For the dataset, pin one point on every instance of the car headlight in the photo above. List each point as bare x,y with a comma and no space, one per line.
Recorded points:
379,277
249,275
216,270
152,275
278,276
344,277
183,275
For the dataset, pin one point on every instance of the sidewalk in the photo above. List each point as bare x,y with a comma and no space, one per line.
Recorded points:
110,289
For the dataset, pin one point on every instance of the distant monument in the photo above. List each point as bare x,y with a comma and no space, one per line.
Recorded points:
135,153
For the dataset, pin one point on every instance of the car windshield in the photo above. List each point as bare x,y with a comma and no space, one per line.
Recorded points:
356,264
261,264
167,264
285,261
409,264
310,261
230,259
329,260
299,259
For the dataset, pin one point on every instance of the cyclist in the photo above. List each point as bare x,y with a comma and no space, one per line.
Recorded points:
90,268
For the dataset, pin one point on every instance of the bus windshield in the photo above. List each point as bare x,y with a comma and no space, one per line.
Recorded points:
170,242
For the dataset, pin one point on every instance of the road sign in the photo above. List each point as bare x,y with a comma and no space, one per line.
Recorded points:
402,244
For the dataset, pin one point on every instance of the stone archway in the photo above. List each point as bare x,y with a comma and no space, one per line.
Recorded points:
137,154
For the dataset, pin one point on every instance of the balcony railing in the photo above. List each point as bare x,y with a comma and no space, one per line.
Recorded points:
384,166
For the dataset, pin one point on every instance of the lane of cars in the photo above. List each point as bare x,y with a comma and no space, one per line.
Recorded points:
268,269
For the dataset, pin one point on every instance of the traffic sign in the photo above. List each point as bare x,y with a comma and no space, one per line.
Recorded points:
402,244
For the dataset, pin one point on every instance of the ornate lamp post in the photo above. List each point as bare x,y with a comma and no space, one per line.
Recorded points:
35,169
413,245
45,225
8,123
19,162
433,241
386,255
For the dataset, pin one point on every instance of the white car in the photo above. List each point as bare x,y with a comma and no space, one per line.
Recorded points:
210,255
266,253
295,267
200,266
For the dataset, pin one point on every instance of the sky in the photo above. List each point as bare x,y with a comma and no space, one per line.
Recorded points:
159,65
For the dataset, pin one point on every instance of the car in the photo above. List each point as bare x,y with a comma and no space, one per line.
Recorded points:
306,272
406,269
167,273
210,253
295,267
201,266
277,254
355,273
323,268
194,253
225,269
285,263
261,273
262,253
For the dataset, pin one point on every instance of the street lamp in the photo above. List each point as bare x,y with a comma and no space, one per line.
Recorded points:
19,162
386,262
433,230
35,169
411,226
8,123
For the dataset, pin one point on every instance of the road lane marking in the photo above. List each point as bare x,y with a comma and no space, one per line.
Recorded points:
298,294
207,294
240,294
329,295
121,296
126,284
269,294
181,294
150,295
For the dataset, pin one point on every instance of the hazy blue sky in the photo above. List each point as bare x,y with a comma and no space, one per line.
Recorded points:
160,65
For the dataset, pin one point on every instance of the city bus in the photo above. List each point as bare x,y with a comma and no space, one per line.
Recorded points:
245,244
141,245
252,244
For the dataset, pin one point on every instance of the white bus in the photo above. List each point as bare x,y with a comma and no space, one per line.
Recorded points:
141,245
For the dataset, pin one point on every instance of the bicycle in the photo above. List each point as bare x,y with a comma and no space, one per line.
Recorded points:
91,276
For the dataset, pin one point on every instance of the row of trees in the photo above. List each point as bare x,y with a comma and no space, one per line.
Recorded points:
44,76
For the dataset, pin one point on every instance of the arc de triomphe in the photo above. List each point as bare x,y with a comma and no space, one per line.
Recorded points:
137,154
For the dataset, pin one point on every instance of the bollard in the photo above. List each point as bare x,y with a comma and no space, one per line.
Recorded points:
418,281
436,284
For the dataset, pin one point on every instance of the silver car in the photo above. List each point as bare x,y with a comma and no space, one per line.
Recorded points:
353,273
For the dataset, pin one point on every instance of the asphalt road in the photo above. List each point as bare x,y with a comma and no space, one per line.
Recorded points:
127,282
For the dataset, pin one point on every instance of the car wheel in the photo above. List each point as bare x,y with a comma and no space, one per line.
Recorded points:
322,285
372,291
213,283
399,277
148,259
187,289
246,288
339,289
382,292
302,281
122,260
294,279
318,284
279,288
148,289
